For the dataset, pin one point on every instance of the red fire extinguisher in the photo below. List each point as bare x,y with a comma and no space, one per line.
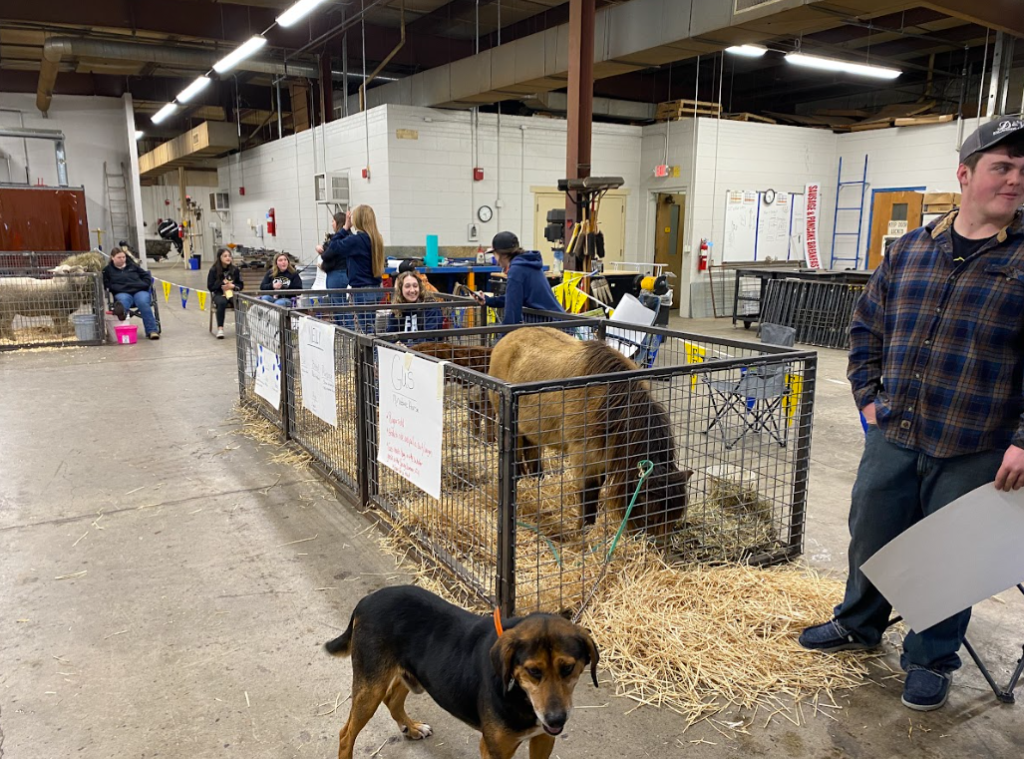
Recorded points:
271,223
702,260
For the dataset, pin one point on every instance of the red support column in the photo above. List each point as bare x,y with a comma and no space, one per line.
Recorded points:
581,92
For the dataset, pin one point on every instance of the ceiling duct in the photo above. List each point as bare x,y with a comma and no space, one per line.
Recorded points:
56,49
208,140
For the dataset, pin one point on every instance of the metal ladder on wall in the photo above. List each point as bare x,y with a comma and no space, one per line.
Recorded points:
845,237
115,187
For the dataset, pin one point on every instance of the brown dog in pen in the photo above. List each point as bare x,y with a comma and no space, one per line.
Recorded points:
605,428
512,682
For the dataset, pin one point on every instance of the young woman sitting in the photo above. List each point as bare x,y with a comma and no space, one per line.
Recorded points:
409,290
129,283
281,276
223,281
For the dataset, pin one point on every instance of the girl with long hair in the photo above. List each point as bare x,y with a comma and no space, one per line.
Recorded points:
280,276
223,281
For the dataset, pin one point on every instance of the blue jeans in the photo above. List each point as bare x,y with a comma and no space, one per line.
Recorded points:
338,280
896,488
286,302
143,301
366,316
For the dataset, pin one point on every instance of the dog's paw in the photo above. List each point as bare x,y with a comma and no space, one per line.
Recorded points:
417,731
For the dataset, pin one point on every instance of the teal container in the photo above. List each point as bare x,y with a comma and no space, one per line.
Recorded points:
433,257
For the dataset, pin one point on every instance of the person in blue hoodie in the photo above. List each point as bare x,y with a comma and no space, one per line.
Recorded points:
527,286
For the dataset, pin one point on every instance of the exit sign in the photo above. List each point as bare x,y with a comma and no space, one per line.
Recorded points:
661,170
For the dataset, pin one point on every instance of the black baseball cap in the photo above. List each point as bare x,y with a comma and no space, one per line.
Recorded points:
504,242
989,135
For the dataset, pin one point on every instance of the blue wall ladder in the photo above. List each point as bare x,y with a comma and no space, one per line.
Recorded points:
850,262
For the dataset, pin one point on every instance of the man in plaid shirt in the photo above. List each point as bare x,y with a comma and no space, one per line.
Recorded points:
936,364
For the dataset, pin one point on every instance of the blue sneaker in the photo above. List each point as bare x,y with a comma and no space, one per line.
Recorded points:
924,690
830,637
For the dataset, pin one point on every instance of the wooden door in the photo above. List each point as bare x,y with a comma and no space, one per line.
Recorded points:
896,211
668,239
542,203
611,221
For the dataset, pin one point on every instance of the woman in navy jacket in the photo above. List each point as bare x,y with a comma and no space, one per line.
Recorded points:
361,248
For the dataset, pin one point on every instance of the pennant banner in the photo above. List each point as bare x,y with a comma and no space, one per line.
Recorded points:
184,291
167,291
201,297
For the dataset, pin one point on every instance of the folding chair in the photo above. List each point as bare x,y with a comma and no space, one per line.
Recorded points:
134,311
641,346
758,398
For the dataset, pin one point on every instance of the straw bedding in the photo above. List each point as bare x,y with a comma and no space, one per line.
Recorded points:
700,639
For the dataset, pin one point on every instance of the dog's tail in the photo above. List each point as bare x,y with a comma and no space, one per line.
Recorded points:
341,646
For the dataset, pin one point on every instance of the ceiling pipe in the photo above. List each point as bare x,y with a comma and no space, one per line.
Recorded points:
56,49
382,64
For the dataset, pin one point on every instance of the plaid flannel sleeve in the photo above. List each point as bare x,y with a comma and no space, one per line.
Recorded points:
866,336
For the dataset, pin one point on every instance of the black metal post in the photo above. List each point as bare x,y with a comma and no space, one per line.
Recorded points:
282,339
802,461
364,373
508,425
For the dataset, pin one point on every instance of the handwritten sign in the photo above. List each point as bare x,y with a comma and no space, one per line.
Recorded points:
411,392
316,362
268,376
811,249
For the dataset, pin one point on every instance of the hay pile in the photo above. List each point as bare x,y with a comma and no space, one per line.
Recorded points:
700,639
258,428
733,522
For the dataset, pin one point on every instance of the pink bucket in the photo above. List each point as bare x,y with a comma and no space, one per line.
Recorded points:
127,334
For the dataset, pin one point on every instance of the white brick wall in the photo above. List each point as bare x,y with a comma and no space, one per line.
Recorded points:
279,175
432,187
95,130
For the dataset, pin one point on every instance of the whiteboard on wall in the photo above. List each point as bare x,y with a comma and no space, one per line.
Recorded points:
773,223
740,225
756,231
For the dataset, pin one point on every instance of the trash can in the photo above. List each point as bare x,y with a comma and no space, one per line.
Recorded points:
85,326
194,262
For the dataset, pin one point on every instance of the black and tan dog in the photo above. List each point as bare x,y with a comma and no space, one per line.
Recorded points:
512,682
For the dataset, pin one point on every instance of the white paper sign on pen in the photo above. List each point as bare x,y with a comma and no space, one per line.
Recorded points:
962,554
268,376
410,429
316,362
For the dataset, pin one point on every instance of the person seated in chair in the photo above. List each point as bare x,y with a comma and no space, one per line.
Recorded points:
527,286
130,285
223,281
409,290
281,276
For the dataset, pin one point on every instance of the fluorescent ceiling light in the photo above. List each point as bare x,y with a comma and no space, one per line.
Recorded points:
200,84
164,112
297,12
834,64
232,59
139,134
750,51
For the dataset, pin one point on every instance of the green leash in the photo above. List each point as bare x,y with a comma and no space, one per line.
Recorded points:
645,467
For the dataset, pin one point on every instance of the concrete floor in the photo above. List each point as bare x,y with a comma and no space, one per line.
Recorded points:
167,589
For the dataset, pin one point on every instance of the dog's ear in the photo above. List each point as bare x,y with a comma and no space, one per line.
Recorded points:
503,653
592,653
